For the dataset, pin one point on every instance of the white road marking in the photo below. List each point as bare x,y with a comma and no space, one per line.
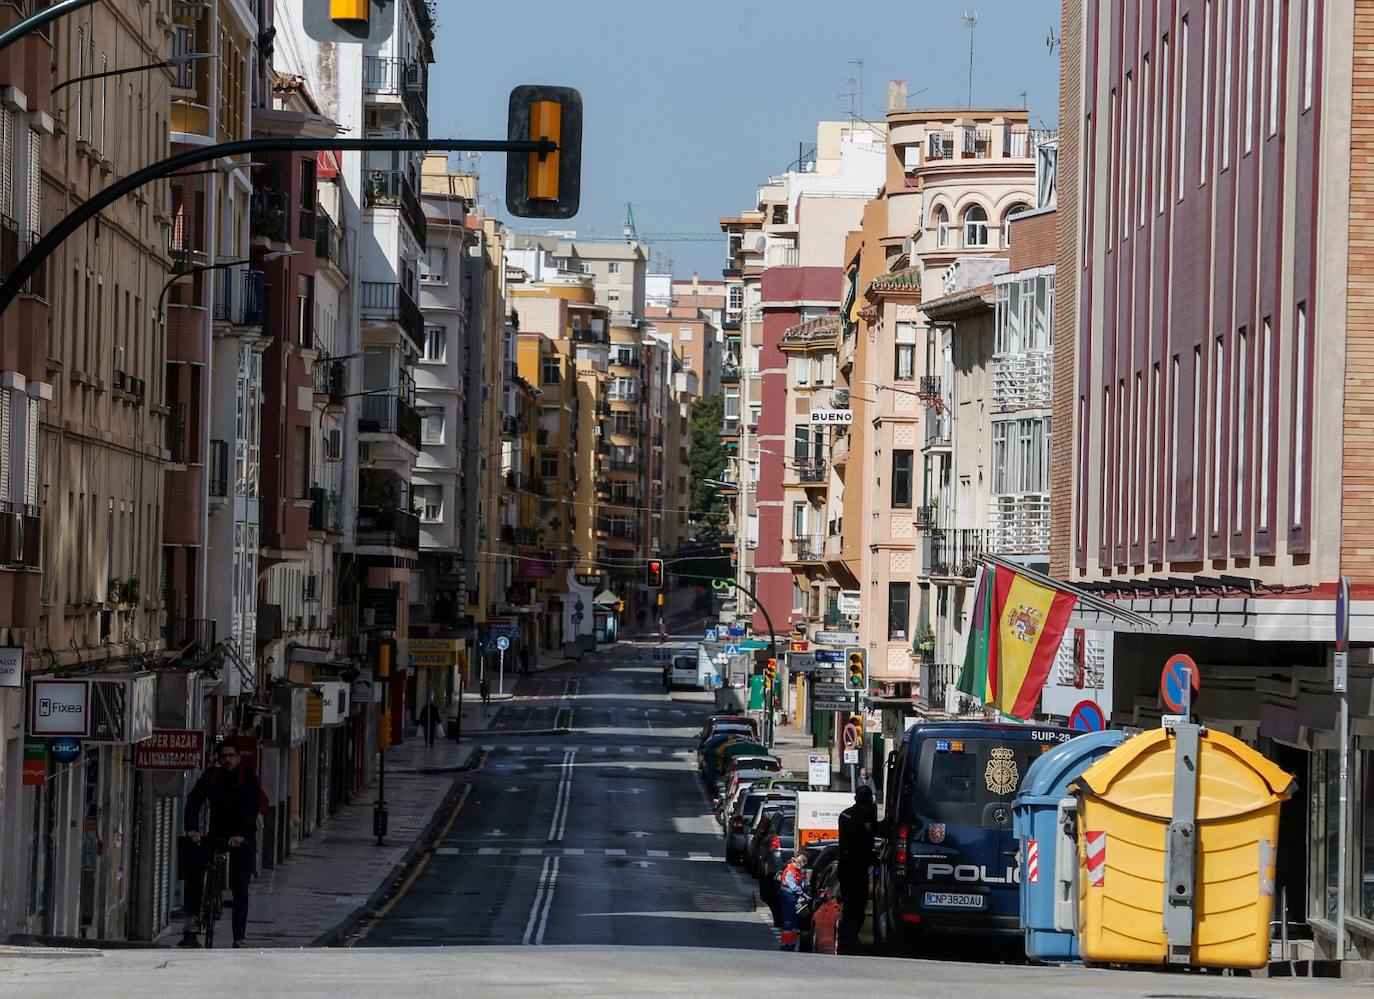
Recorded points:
652,853
614,853
573,851
563,802
543,901
448,851
531,851
488,851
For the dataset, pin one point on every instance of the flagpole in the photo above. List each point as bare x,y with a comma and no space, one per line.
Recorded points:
1084,597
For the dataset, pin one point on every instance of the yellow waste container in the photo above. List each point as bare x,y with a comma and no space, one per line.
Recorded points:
1126,805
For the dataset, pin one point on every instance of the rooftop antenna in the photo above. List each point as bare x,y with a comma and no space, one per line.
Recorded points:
856,89
1024,95
970,22
1052,40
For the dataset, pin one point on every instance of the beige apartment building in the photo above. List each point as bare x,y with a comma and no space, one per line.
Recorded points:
954,178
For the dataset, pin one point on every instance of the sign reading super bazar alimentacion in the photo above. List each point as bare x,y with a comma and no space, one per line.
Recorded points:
170,749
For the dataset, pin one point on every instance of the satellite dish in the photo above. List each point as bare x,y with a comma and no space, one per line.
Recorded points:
760,243
909,247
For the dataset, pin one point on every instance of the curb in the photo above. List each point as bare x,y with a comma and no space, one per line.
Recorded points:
394,877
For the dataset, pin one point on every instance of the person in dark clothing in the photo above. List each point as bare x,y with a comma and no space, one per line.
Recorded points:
858,825
233,792
429,721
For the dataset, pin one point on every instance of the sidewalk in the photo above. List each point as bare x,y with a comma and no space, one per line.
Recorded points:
332,879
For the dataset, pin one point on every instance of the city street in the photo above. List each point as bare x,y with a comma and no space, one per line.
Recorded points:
584,823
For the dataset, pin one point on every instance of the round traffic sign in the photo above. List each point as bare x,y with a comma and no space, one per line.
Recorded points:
503,643
851,736
1171,681
1087,717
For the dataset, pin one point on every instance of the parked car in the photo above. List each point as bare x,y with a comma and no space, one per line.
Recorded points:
742,821
730,719
762,832
767,766
707,760
774,853
740,782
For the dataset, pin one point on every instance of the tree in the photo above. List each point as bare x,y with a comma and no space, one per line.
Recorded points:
707,462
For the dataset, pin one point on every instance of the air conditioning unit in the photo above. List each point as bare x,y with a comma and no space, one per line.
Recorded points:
268,729
119,367
334,445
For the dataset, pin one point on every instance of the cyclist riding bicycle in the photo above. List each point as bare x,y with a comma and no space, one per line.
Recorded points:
234,795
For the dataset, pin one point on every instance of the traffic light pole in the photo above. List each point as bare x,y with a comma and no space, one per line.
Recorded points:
854,767
89,209
772,643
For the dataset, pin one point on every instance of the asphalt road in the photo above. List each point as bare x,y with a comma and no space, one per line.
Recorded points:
585,824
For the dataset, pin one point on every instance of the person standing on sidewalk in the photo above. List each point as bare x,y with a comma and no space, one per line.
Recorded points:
429,722
484,688
858,825
791,890
234,794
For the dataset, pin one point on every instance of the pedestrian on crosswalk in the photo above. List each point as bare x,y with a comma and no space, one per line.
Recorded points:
484,688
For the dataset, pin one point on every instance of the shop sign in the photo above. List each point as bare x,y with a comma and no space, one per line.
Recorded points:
362,687
65,750
433,652
314,710
297,716
35,762
171,749
335,702
11,666
59,707
850,602
534,568
832,416
379,609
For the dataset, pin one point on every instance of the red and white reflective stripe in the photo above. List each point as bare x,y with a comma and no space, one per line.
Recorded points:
1033,861
1095,846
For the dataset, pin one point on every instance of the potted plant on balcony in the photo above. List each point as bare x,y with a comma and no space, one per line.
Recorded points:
925,640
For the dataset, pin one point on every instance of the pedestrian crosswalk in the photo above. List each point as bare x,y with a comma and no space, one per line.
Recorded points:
694,856
664,751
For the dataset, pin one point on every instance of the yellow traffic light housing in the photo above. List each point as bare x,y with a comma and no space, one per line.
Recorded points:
548,184
856,669
340,22
348,10
858,722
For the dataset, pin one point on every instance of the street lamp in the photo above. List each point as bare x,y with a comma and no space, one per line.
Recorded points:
35,21
174,62
202,268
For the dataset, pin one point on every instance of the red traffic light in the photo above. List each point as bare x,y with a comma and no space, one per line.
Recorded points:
653,573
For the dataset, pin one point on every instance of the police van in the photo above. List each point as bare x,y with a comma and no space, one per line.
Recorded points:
949,860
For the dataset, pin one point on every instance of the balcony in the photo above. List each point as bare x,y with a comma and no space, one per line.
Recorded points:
618,530
624,393
14,245
925,516
21,535
240,296
526,536
929,387
217,468
326,511
729,373
331,381
391,189
189,634
839,451
813,473
398,78
390,414
623,464
938,681
1019,524
952,554
1021,143
386,301
268,217
512,426
977,144
1021,381
781,255
808,549
388,526
940,145
939,428
729,427
328,239
174,430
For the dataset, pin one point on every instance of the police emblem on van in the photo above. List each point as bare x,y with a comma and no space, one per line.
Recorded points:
1001,774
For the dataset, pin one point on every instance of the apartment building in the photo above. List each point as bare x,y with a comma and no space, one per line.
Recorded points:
617,271
953,180
1210,365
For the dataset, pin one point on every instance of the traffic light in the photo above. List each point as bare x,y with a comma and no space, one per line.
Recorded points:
358,21
383,651
545,185
653,574
856,670
770,671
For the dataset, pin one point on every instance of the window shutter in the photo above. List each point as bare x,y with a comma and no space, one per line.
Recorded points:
31,455
7,163
35,181
6,453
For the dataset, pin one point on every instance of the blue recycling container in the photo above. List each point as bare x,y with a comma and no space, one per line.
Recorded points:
1043,823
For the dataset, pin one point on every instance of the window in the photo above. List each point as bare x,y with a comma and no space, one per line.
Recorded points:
1015,209
1276,9
798,597
1128,160
436,344
1218,443
429,501
755,411
1226,86
801,442
614,266
1162,157
1309,52
1250,28
898,611
904,363
1197,422
941,227
1182,116
798,520
1242,398
1173,446
901,479
302,462
434,266
432,431
80,84
1299,415
613,297
803,370
551,370
975,226
736,298
305,309
1266,373
102,119
1001,477
1208,88
548,465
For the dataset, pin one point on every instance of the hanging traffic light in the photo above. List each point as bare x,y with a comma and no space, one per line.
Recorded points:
358,21
770,671
856,671
383,652
653,574
545,185
856,722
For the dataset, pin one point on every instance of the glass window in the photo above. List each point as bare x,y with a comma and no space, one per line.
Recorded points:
904,364
798,520
802,443
551,371
798,598
898,611
434,266
975,226
1000,471
1322,853
429,500
684,332
436,344
941,227
548,465
433,427
901,479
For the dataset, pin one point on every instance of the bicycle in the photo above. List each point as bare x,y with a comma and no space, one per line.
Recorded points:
212,898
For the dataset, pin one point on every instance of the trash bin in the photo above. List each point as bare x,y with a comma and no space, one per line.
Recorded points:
1044,821
1165,879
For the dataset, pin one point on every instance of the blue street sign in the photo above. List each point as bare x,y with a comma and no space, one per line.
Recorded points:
736,631
64,750
829,655
732,650
1087,717
502,643
710,634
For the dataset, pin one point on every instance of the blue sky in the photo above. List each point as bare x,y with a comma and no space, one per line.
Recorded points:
690,106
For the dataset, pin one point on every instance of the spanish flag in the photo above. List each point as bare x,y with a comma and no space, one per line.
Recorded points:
1016,629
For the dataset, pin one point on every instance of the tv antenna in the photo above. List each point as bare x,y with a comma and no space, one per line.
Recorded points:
856,89
970,22
1052,40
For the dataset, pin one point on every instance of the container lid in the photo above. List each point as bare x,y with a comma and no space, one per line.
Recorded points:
1052,773
1233,778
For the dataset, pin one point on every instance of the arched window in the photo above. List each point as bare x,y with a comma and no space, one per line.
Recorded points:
941,227
975,226
1020,206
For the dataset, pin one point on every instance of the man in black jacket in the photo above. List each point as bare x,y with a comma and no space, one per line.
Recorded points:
858,824
233,792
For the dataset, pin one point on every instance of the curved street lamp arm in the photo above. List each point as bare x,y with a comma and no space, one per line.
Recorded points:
36,21
87,210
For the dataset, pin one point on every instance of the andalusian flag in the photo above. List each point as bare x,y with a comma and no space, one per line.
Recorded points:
1015,632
